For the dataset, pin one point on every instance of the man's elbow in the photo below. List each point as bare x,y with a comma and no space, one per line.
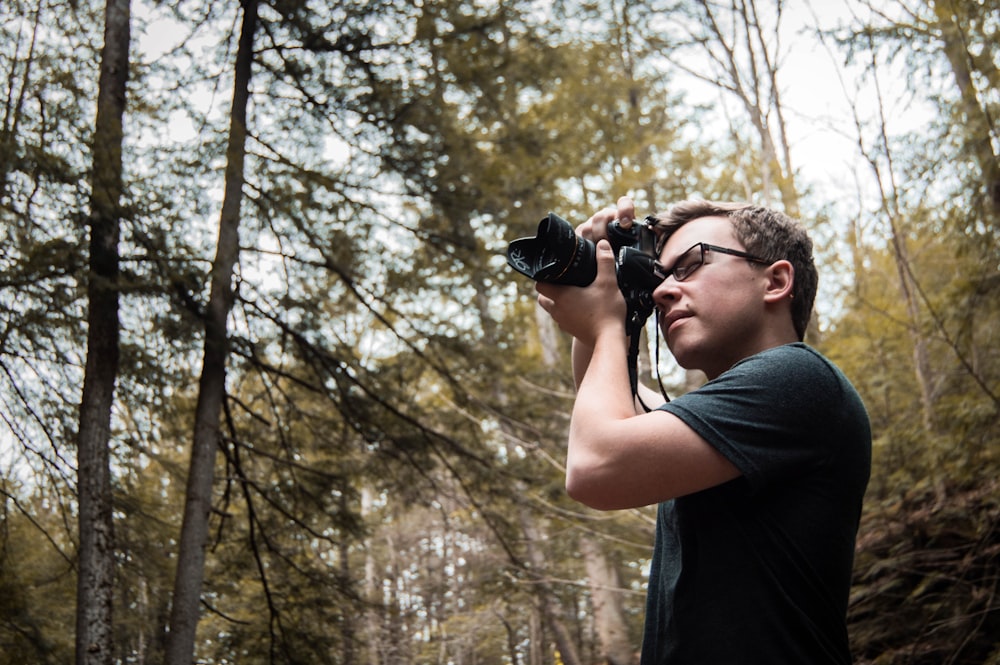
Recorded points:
589,490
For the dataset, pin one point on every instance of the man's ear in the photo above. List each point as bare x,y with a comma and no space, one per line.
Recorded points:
780,281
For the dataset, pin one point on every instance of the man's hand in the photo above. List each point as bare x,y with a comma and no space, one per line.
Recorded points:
596,228
587,312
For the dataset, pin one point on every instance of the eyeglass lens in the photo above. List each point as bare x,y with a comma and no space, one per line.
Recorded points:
685,264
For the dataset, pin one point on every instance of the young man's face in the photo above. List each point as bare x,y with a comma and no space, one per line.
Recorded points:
714,316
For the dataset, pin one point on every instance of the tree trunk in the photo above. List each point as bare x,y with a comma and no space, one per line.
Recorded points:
546,599
95,581
18,88
978,123
757,91
373,588
536,637
184,613
609,614
921,356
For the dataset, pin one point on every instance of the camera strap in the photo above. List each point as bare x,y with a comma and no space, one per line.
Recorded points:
633,364
633,325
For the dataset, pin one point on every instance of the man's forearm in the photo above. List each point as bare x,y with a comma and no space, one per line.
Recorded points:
581,354
603,391
603,402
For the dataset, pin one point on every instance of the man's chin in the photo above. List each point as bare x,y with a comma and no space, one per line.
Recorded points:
682,356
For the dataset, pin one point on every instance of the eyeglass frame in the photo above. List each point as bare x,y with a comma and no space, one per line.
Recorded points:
663,273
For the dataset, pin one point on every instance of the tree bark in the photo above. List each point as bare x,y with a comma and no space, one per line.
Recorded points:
908,289
979,125
18,88
609,614
95,578
184,613
758,98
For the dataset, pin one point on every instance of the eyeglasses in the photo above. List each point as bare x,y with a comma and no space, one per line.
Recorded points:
693,258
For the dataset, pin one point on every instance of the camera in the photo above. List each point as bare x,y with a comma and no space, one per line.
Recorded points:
559,256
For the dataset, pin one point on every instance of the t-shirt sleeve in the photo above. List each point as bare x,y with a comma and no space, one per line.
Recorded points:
772,415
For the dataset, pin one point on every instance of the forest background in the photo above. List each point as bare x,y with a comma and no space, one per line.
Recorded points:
271,395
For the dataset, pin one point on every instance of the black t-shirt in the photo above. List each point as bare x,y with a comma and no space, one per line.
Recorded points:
758,570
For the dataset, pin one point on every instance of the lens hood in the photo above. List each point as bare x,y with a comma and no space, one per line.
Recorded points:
556,254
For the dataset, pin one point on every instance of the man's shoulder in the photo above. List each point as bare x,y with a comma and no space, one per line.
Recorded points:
785,363
794,375
792,352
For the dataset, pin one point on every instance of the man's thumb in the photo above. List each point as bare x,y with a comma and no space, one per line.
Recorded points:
604,251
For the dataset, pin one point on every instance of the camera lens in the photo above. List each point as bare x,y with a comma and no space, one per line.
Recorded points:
556,254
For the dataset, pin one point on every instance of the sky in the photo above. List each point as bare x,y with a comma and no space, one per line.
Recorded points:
818,89
821,95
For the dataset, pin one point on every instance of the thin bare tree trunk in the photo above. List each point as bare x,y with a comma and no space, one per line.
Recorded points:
184,613
609,614
921,357
545,597
901,257
979,124
546,601
18,88
95,580
536,649
373,588
758,91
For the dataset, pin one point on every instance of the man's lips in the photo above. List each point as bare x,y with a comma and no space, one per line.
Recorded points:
670,318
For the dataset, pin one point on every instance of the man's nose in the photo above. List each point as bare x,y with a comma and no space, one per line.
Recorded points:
666,292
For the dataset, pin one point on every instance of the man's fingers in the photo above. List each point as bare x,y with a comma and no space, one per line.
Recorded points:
625,211
596,227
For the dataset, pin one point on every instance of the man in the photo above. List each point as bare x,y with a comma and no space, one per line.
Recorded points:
759,474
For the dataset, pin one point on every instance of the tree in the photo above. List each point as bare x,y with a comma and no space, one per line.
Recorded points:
97,554
901,176
919,359
740,46
963,29
36,584
185,610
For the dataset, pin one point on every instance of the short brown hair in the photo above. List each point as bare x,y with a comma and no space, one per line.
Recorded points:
764,232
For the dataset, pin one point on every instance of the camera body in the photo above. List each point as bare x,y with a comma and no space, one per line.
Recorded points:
559,256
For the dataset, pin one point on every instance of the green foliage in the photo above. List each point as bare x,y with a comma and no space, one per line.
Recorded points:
926,573
874,343
37,585
925,579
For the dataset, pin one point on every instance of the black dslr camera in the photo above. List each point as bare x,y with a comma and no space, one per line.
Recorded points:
559,256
